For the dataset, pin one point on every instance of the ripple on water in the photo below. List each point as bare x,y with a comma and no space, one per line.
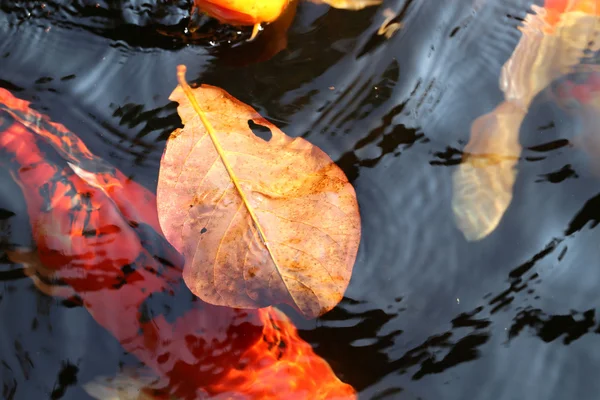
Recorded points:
427,314
456,303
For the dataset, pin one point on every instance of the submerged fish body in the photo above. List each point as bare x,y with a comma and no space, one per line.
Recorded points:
243,12
253,12
554,43
99,242
257,12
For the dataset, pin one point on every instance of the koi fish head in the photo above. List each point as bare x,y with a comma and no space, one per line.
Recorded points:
242,12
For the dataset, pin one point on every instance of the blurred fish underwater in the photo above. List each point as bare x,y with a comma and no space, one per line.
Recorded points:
436,308
557,41
91,247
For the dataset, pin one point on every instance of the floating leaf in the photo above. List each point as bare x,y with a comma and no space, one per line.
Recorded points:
259,221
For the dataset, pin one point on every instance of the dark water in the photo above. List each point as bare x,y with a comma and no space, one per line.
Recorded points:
427,315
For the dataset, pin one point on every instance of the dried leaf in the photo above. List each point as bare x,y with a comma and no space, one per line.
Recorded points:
259,222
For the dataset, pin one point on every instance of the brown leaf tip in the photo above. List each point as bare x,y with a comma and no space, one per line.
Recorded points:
175,134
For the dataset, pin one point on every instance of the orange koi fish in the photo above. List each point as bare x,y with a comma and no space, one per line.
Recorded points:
555,41
98,241
243,12
257,12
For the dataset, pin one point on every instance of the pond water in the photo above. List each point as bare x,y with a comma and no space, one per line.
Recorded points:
427,315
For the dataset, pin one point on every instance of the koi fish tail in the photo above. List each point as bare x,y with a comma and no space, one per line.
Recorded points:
282,364
553,43
483,182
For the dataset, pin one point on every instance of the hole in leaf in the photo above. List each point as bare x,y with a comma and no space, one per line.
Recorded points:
203,230
261,131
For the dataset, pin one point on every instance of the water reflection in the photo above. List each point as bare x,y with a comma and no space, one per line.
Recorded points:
427,315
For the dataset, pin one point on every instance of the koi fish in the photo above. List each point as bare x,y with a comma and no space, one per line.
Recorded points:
243,12
99,242
257,12
554,42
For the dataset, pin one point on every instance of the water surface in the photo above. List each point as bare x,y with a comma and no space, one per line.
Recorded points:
427,314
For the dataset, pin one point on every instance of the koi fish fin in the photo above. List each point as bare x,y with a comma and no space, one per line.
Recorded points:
484,181
41,276
547,50
94,180
127,385
255,30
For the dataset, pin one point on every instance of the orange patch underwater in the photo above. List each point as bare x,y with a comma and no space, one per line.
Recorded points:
90,245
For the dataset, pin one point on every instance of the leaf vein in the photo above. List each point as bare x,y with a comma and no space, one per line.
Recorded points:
303,223
207,222
219,247
313,257
188,156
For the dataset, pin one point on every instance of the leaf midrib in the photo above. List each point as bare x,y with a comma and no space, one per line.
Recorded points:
181,69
